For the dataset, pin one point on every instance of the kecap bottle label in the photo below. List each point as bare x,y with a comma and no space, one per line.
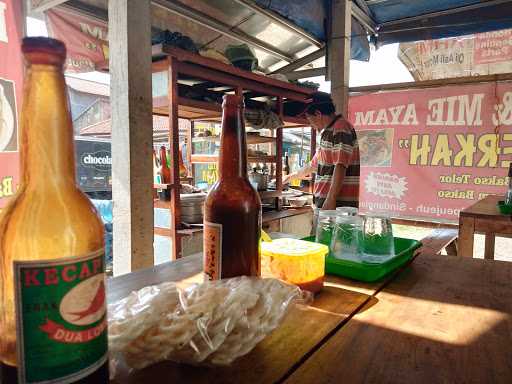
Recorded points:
61,317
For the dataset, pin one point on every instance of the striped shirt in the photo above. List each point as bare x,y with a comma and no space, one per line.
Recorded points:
338,145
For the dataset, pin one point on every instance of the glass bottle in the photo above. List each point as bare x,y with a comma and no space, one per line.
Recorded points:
166,171
52,296
232,217
286,166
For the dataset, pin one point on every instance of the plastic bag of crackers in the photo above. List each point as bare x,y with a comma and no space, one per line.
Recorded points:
207,324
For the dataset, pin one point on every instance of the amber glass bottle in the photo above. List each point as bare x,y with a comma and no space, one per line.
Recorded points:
52,297
232,217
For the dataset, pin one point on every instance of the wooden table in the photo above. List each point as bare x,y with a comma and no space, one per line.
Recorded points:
445,319
482,217
442,319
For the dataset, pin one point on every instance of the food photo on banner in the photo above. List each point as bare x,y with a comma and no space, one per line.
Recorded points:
11,77
428,153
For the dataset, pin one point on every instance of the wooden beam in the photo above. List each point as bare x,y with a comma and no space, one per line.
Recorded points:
361,13
423,223
432,15
255,84
338,46
207,21
174,146
489,246
279,153
306,73
466,236
85,9
432,83
301,62
44,5
132,134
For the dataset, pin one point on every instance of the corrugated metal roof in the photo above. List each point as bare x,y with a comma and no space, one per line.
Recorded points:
104,129
88,86
388,17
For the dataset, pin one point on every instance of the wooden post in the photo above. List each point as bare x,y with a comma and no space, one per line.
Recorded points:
188,141
190,146
174,147
466,236
132,134
313,153
489,246
338,46
279,153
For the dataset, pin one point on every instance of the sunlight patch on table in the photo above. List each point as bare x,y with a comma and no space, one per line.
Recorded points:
442,322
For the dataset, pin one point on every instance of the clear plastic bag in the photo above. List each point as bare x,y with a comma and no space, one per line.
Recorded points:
211,323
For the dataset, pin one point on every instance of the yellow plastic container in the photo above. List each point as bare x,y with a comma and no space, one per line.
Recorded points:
296,261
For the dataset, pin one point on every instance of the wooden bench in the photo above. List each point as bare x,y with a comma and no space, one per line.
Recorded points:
439,239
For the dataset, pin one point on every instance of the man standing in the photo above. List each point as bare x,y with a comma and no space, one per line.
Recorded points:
336,162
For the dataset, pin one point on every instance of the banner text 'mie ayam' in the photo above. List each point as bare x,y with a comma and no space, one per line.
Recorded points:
459,145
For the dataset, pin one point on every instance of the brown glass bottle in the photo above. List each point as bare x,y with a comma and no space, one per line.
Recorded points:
286,167
166,172
232,214
52,281
183,169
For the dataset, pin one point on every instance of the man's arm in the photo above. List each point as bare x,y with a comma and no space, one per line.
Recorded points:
300,174
337,182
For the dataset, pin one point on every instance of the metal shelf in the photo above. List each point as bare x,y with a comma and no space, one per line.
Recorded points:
208,159
250,139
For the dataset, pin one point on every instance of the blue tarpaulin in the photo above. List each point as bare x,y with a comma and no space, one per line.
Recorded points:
391,16
471,16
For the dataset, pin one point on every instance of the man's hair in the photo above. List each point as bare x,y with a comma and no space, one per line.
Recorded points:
322,102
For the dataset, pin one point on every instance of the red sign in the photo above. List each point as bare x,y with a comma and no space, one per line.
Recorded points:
86,39
11,77
493,47
470,55
430,153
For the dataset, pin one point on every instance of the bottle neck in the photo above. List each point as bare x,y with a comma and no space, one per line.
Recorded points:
47,153
233,148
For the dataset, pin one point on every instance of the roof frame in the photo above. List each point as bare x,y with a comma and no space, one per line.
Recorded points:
363,16
464,8
301,62
281,21
211,23
198,17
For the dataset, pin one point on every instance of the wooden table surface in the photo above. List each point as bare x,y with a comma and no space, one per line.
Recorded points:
440,312
444,319
486,208
274,357
482,217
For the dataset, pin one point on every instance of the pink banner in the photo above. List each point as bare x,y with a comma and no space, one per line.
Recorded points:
11,78
86,39
493,47
429,153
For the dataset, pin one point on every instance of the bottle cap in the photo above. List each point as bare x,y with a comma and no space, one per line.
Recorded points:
43,50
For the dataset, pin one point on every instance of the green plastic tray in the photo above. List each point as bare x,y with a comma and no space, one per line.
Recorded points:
404,249
505,209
